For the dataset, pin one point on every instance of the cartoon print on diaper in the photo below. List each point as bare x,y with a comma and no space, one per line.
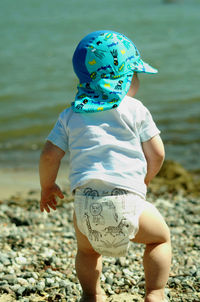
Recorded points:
117,230
112,207
89,192
122,192
117,191
93,234
96,210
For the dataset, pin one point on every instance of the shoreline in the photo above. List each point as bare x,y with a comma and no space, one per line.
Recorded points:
172,178
20,181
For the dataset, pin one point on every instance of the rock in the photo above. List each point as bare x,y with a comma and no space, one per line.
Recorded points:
48,253
11,279
21,289
15,287
109,280
3,282
34,275
40,285
68,290
4,260
49,281
24,300
31,280
64,283
21,260
22,281
122,261
6,298
127,272
108,289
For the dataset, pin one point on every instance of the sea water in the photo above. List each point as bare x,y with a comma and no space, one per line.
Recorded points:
37,40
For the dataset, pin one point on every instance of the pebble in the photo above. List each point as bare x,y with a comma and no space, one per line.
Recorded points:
22,281
21,260
109,280
40,285
15,287
21,289
64,283
49,281
38,254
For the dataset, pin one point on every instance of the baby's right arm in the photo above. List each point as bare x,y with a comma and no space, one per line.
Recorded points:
154,153
48,168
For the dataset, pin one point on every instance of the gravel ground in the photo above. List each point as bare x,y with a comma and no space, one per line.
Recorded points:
37,253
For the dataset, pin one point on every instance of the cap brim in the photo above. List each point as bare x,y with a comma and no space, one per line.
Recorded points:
144,67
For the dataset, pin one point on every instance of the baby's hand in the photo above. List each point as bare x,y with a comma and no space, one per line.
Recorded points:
48,198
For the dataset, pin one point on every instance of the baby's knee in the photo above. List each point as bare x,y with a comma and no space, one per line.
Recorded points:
152,227
166,234
161,226
163,231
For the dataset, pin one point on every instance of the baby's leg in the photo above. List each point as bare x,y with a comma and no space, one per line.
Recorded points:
154,232
88,268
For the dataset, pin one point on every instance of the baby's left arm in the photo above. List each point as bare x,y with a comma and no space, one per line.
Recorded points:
50,159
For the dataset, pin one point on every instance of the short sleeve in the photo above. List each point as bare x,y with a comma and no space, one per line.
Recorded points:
58,135
148,128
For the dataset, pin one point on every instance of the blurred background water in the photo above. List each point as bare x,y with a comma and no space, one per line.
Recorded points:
37,40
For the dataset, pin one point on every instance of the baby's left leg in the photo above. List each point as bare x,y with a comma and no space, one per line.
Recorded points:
88,268
154,232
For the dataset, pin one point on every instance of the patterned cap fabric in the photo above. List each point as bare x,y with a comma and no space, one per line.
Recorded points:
104,62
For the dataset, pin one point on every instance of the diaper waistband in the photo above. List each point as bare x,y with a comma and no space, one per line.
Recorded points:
97,188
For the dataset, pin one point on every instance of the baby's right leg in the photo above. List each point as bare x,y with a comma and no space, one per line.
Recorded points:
154,232
88,268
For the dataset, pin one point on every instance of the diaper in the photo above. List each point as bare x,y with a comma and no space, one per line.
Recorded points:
108,217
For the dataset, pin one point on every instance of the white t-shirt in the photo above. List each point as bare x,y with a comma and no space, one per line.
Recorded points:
106,145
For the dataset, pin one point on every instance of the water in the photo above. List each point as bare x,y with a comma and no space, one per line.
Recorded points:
37,40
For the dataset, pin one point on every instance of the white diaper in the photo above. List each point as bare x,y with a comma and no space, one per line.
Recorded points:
108,217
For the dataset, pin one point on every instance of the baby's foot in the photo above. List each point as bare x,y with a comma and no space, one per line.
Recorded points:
155,299
156,296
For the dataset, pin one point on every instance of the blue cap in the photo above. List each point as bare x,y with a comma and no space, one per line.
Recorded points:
104,62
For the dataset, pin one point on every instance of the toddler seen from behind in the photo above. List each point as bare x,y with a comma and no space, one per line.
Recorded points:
115,150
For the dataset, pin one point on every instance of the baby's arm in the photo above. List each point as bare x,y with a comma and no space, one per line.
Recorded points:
154,153
48,168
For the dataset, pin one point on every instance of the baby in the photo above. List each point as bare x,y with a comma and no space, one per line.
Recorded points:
114,151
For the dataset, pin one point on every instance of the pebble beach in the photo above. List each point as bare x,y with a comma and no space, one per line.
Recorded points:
38,39
37,250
